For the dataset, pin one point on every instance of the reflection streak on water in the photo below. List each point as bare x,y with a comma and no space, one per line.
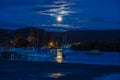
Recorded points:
56,75
59,57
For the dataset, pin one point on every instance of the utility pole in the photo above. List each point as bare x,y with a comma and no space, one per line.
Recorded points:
37,39
45,39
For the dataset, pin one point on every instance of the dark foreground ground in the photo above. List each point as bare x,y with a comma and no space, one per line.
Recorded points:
55,71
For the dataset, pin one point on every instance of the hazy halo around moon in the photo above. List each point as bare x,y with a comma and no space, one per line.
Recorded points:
59,18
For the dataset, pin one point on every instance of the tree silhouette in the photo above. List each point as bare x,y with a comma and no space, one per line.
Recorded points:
20,41
32,38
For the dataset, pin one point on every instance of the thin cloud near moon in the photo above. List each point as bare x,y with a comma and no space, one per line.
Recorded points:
76,14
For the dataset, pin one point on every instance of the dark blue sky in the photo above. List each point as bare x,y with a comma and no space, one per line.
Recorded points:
76,14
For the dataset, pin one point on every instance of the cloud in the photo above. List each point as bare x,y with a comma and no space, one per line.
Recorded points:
54,9
77,14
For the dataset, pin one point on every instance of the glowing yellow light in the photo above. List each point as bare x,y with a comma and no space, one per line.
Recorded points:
59,57
51,43
59,18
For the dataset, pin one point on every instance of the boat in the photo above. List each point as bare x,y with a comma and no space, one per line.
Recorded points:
29,52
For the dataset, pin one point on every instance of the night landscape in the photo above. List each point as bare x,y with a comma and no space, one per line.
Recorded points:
59,40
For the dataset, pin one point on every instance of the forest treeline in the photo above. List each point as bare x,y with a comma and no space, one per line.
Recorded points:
97,45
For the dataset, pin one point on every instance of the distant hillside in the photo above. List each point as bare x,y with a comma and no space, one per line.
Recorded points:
72,36
6,35
89,35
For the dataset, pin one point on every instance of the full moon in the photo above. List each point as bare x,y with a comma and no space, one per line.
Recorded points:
59,18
